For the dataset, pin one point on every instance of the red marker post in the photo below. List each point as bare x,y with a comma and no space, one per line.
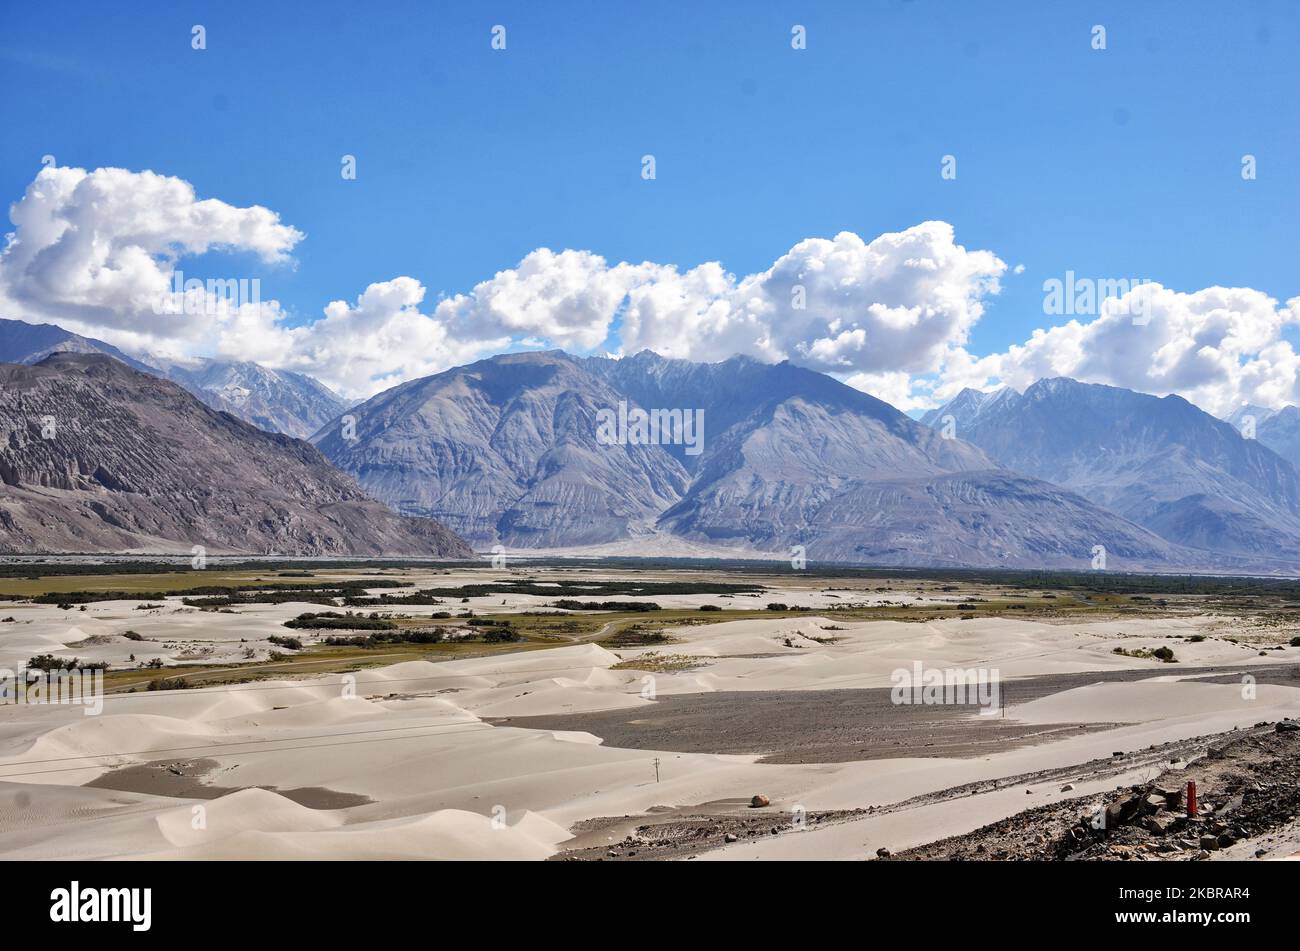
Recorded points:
1191,798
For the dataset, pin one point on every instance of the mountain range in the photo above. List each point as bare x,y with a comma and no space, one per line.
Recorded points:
543,450
1278,429
278,401
1163,463
98,456
507,451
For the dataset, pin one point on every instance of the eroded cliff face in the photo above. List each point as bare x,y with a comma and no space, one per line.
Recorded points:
95,456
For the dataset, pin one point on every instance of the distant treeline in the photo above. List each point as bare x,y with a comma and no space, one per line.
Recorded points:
625,586
570,605
419,597
502,634
1065,580
36,569
332,620
221,595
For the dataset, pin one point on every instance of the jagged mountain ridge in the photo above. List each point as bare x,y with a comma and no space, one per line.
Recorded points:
96,456
1159,461
504,450
1278,429
280,401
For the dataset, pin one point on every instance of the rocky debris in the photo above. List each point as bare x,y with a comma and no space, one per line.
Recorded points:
1173,795
1249,789
675,836
1161,823
1288,726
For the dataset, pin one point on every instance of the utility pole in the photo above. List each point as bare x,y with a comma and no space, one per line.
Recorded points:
656,769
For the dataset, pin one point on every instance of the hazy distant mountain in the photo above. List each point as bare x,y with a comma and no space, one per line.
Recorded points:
967,406
1163,463
798,458
96,456
278,401
1281,433
275,400
21,342
505,451
1278,429
1239,416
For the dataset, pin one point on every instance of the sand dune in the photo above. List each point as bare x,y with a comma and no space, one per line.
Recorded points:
435,781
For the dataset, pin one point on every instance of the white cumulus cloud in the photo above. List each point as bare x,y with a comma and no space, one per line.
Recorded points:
97,251
1218,347
897,303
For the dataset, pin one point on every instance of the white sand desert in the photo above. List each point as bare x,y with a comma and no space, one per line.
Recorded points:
398,762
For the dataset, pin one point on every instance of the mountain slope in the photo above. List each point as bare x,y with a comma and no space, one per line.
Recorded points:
1241,414
275,400
278,401
1279,430
21,342
505,451
1160,462
95,456
797,458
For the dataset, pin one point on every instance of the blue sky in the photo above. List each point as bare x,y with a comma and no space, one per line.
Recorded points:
1122,162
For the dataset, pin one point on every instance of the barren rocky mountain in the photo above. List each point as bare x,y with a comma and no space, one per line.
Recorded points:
278,401
96,456
21,342
1280,431
1160,462
505,451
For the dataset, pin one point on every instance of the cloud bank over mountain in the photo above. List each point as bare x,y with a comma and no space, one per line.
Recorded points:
1218,347
100,251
